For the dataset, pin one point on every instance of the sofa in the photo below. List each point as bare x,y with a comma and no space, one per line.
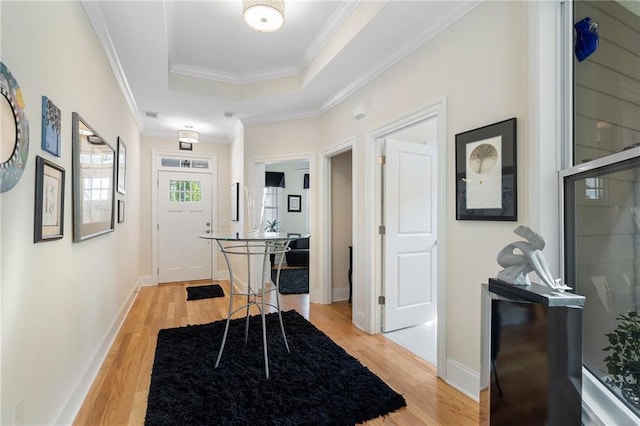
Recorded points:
299,253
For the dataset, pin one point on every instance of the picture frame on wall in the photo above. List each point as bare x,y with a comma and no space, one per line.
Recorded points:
185,146
121,176
49,201
51,118
235,200
486,172
120,211
294,203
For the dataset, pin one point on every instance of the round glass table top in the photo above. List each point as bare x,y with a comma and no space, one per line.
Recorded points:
253,236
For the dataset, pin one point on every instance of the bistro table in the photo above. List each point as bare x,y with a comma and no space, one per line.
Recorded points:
257,246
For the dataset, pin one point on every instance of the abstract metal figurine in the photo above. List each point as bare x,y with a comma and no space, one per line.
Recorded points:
518,266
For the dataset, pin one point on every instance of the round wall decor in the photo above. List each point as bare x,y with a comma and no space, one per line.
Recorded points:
14,131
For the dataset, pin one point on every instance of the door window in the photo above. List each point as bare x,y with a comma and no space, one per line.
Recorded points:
185,191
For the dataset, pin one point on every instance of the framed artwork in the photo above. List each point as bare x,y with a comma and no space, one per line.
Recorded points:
49,201
235,199
294,203
93,182
120,211
486,174
121,176
185,146
51,118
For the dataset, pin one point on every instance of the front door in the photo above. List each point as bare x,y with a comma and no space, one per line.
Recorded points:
410,240
184,213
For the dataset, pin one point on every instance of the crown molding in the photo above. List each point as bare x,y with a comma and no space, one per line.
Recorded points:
420,38
275,117
227,77
334,24
94,13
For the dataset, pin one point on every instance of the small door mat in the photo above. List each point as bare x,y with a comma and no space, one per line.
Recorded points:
204,292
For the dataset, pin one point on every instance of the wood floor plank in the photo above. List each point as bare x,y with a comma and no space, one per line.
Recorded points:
119,393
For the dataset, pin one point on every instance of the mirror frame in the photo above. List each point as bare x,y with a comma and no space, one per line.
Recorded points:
12,169
83,228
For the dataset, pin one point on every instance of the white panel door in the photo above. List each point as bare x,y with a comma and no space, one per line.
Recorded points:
184,213
410,248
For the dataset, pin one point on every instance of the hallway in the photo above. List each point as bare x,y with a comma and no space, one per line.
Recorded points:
119,393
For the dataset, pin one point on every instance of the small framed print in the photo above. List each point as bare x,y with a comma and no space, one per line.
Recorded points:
121,176
50,127
295,203
486,174
49,201
186,146
120,211
235,199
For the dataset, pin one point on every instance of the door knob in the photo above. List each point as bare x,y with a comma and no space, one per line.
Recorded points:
208,231
208,223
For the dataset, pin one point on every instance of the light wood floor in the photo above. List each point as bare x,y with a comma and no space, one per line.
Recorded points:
119,393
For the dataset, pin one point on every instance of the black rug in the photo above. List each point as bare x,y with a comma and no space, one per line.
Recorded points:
318,383
293,281
204,292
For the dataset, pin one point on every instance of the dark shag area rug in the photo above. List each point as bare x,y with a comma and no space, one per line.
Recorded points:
318,383
292,281
204,292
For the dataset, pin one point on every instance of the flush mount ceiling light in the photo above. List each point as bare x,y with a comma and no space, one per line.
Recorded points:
263,15
189,136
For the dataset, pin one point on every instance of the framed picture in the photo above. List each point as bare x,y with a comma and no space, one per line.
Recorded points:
120,211
93,182
50,127
235,199
486,175
185,146
49,201
121,176
294,203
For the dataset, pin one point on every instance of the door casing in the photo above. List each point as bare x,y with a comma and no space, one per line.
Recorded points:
370,321
157,156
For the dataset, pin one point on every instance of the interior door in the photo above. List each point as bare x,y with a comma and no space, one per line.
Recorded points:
410,240
184,213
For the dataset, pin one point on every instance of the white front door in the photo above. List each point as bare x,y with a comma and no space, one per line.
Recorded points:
184,213
410,240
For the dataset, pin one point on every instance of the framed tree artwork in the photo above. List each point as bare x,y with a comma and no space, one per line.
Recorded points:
486,173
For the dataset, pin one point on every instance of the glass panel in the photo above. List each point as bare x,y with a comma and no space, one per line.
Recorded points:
602,226
185,191
607,83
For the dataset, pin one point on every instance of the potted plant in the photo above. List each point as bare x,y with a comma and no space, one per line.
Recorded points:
273,226
623,363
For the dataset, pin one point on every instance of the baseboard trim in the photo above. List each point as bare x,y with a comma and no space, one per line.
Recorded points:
340,294
71,408
463,379
146,281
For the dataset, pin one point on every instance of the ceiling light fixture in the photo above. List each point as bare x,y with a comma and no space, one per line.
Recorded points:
189,136
263,15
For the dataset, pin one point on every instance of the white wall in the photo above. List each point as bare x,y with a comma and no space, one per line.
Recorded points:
61,301
480,65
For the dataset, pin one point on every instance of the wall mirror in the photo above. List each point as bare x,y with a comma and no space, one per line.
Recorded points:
93,182
14,131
